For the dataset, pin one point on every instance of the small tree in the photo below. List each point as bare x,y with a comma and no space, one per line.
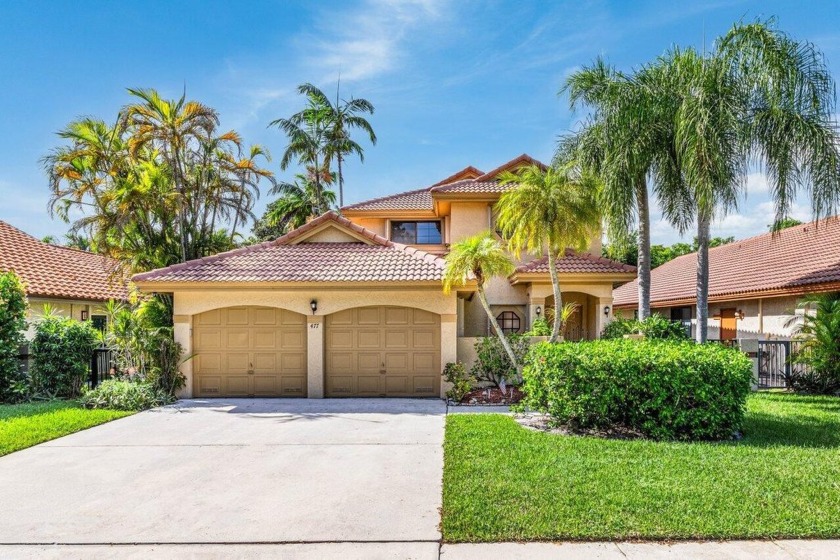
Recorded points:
62,350
482,257
12,323
819,334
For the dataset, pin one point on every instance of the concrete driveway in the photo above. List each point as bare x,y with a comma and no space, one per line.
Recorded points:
362,473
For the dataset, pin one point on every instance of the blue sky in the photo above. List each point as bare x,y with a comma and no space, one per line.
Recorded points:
454,82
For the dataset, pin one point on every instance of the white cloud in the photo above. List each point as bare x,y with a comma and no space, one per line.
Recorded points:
757,183
365,42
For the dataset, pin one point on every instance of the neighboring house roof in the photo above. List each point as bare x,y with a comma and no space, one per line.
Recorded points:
794,261
292,259
50,271
469,181
577,263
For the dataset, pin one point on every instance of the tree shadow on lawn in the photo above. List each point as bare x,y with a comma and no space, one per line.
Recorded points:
762,429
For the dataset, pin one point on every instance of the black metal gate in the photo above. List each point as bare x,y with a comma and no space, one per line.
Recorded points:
774,366
102,365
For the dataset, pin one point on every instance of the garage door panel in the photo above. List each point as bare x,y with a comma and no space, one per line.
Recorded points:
368,316
424,339
250,351
237,316
368,385
369,338
424,385
293,386
292,363
264,317
396,339
382,351
290,340
397,316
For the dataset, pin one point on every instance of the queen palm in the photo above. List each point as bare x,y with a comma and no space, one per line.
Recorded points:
547,212
248,173
343,116
481,257
758,97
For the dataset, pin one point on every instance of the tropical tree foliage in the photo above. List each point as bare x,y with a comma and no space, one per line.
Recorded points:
548,212
819,335
159,186
13,307
627,252
480,257
297,202
320,134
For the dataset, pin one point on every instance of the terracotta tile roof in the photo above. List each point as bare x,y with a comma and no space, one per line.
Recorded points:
574,263
469,180
57,272
283,260
795,260
420,199
477,187
468,172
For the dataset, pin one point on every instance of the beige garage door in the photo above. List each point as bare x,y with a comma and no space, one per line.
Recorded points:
383,351
249,352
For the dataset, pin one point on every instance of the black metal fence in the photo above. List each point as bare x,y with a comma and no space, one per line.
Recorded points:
102,364
775,364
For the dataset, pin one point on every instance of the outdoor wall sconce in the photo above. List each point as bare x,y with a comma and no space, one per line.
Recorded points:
740,314
606,311
84,315
314,305
538,310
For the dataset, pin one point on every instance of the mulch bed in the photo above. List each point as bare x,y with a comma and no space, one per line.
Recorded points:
492,395
542,423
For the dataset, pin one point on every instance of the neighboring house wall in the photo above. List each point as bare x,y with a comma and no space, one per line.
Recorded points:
72,309
763,318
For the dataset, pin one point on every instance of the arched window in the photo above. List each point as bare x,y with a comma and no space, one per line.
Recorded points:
508,321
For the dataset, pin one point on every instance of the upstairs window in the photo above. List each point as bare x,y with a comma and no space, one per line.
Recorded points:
416,233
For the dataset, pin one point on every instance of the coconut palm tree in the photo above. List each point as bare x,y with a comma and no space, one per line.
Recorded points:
548,212
481,257
758,97
343,116
298,202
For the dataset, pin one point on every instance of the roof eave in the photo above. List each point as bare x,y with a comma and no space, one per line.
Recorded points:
544,277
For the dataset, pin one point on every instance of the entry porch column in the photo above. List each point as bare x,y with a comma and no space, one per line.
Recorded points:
315,356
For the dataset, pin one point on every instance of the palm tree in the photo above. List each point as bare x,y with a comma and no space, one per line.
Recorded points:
170,127
758,97
818,333
343,116
546,213
297,203
624,141
481,257
249,174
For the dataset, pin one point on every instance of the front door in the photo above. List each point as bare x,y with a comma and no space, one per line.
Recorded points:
728,324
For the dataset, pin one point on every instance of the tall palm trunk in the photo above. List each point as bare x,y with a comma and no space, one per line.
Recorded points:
643,248
703,226
558,296
238,209
502,338
340,181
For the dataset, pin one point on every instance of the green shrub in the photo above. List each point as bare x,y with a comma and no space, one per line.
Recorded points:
61,351
662,389
117,394
819,351
12,324
656,327
492,363
540,327
462,382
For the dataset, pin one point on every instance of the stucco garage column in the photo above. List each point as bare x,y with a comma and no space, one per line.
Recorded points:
448,346
315,356
182,332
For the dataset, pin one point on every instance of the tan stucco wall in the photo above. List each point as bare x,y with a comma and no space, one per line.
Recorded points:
765,318
72,309
468,218
190,303
376,225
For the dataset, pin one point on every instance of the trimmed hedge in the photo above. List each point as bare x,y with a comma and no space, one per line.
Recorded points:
662,389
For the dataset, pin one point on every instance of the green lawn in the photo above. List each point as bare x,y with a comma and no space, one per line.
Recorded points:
502,482
25,425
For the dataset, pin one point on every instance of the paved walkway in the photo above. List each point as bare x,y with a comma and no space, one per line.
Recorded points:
303,479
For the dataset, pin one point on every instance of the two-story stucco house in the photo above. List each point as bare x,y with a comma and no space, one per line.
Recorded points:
351,304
